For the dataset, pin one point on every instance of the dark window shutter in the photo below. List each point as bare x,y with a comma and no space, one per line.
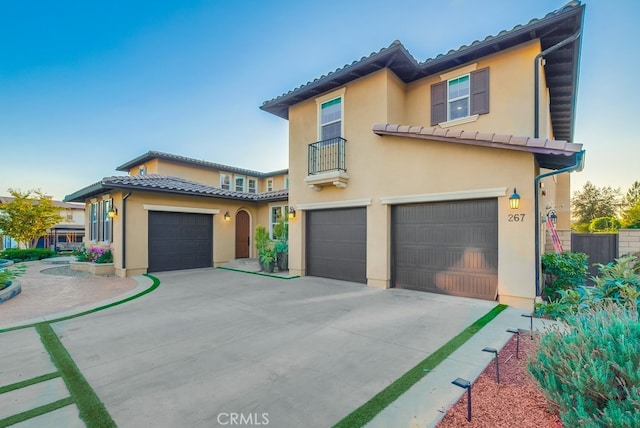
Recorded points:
480,91
438,103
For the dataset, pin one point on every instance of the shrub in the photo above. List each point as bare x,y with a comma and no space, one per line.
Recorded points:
27,254
563,271
592,372
94,255
617,283
605,224
7,275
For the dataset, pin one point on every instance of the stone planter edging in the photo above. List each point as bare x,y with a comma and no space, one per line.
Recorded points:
94,268
11,291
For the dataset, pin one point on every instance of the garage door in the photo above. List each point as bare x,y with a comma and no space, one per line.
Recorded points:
447,247
180,241
337,244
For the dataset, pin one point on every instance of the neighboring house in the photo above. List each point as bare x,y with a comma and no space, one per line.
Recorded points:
66,235
405,178
173,212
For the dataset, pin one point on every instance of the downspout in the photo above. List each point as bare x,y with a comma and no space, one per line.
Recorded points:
124,230
536,79
577,167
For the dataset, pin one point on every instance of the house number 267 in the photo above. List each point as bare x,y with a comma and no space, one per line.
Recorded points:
516,217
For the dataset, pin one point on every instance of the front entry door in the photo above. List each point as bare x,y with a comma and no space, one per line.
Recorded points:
242,235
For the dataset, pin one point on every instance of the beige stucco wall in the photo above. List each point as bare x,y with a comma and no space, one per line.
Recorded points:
137,226
205,175
383,167
511,86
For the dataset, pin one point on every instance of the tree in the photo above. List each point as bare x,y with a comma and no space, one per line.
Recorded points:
593,202
631,217
632,197
28,217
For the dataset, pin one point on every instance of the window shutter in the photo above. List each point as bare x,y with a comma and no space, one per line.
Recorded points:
438,103
480,91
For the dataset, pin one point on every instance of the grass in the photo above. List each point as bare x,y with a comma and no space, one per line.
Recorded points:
156,283
365,413
38,411
260,273
91,409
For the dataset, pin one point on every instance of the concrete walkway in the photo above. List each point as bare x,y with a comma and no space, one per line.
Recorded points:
210,343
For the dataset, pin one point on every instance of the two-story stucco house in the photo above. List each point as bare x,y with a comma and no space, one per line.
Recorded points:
401,171
172,212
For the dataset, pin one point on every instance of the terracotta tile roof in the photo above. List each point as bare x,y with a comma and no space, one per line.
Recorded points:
552,154
551,29
166,184
150,155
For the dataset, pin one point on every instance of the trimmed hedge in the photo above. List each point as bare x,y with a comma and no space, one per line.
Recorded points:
26,255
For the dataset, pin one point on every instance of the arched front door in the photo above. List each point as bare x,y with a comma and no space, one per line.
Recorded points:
242,235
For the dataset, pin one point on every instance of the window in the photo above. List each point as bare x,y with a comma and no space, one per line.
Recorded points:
458,97
278,213
100,224
253,188
331,119
225,181
239,184
142,170
107,225
93,221
463,96
270,185
286,182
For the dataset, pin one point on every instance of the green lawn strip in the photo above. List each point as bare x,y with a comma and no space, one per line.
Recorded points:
28,382
365,413
29,414
91,409
271,275
156,283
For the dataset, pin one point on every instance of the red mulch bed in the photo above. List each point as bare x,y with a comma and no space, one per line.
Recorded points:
515,401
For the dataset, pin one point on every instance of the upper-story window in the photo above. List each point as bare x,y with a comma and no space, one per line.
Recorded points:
463,96
239,184
270,185
286,182
142,170
253,185
331,119
225,181
458,97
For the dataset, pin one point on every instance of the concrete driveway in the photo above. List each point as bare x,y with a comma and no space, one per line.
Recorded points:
211,345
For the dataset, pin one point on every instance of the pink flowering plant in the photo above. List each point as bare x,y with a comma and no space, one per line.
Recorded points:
94,255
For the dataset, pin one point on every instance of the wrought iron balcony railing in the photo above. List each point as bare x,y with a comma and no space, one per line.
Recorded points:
327,155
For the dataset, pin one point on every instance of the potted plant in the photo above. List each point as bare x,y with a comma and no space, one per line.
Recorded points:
262,243
281,247
267,259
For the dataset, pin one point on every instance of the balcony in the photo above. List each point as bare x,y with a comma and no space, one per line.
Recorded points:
327,164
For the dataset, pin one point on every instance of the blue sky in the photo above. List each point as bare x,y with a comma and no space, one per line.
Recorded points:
87,86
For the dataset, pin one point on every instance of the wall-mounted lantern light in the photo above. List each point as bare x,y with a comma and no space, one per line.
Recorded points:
227,216
553,215
514,200
113,212
292,213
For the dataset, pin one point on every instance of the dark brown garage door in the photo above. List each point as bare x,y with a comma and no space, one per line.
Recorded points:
337,244
446,247
180,241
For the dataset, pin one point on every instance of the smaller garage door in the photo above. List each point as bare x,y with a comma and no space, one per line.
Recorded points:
336,243
447,247
180,241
